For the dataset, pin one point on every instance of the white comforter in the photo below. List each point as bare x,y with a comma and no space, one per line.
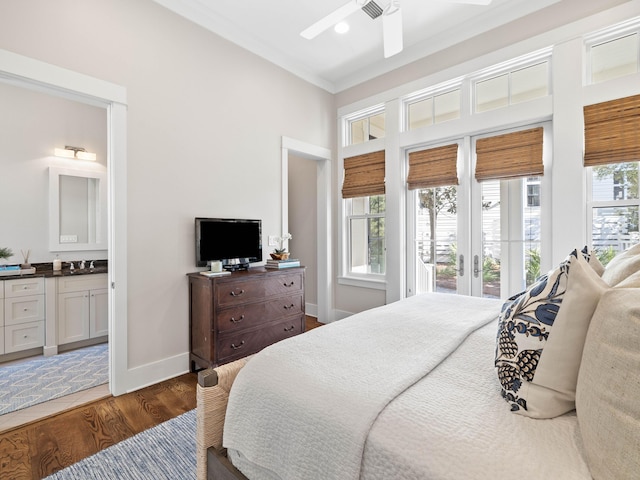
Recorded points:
303,408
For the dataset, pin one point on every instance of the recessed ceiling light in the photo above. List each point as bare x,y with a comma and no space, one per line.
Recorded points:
341,27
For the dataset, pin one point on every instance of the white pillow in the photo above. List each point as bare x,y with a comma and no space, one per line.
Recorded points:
608,391
541,333
622,265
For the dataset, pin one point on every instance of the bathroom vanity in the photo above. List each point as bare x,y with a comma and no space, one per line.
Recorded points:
52,311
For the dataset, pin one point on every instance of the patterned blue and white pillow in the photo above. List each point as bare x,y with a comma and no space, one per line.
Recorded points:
527,322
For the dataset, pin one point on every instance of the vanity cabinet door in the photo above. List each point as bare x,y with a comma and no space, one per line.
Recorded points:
73,315
98,313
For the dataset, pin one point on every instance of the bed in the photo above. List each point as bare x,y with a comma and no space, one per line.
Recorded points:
425,388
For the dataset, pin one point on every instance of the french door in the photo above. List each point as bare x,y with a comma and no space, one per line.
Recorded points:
475,238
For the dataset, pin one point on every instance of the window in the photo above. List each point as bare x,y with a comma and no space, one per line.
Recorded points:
613,208
365,230
432,109
533,192
613,58
513,86
363,191
366,128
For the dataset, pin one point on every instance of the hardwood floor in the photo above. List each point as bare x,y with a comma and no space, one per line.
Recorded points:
43,447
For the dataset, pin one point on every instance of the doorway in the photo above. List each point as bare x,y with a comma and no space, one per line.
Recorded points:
297,151
32,74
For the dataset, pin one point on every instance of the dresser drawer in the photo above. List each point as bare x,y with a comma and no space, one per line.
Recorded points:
239,345
237,293
23,286
23,336
23,309
285,283
250,315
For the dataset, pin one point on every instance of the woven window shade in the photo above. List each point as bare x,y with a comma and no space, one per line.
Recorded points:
435,167
517,154
612,132
363,175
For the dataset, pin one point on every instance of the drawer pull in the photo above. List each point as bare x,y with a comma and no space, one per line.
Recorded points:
290,284
233,319
234,294
236,347
287,307
288,329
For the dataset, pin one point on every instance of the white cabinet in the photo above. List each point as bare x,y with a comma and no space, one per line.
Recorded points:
23,309
82,307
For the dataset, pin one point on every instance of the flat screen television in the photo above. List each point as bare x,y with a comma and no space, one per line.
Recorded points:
233,241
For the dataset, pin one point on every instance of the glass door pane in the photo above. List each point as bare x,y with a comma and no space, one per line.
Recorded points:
487,267
436,240
510,258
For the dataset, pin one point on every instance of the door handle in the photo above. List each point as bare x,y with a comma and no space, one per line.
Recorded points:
476,264
461,268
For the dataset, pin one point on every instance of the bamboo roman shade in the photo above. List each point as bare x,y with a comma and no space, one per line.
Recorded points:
434,167
612,131
512,155
364,175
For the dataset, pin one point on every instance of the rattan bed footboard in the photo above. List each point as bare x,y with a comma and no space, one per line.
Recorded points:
213,389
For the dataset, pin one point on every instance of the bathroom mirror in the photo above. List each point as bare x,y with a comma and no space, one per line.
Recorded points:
77,210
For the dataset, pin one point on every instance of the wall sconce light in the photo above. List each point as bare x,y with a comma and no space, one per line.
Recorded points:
77,153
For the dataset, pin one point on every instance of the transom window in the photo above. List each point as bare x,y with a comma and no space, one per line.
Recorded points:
516,85
613,55
365,126
434,108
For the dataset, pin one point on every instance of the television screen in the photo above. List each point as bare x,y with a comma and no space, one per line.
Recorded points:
227,239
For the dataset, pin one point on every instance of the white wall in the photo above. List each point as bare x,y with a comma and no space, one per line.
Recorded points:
205,120
32,124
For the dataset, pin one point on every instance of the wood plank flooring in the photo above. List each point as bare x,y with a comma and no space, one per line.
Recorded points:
43,447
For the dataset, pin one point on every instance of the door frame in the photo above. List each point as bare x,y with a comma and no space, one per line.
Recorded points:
43,77
323,204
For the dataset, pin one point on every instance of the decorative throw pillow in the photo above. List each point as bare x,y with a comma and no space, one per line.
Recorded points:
541,333
593,260
608,389
622,265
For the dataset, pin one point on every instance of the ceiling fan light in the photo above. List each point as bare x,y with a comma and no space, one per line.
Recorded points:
341,27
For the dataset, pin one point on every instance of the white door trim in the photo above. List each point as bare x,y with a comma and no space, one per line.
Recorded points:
323,157
33,74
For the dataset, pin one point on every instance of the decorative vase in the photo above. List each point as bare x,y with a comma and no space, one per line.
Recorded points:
280,256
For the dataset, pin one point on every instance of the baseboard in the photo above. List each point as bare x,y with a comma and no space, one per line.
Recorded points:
340,314
156,372
311,309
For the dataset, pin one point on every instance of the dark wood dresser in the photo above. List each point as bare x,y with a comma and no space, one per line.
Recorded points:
236,315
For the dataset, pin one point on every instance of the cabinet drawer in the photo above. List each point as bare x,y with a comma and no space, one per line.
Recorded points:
237,293
23,336
239,345
23,309
82,282
247,316
22,287
285,283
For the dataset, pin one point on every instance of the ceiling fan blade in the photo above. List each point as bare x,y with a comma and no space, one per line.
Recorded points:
392,29
331,19
469,2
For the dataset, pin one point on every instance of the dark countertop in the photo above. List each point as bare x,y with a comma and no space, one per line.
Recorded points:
46,270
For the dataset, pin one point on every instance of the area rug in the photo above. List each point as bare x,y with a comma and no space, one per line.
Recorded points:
167,451
44,378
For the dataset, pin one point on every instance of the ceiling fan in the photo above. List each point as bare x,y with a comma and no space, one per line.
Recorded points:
391,20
